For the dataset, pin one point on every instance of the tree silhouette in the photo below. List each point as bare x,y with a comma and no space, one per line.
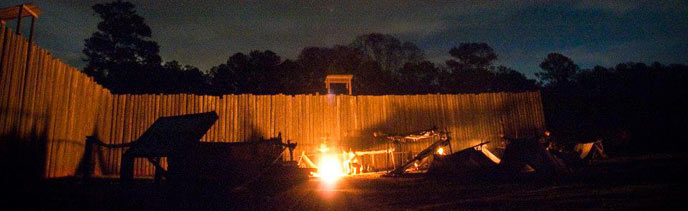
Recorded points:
223,76
632,107
292,78
472,56
558,69
471,70
256,73
119,54
507,79
418,78
317,62
178,78
390,53
468,71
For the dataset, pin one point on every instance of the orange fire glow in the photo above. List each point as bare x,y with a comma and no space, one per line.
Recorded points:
329,165
440,151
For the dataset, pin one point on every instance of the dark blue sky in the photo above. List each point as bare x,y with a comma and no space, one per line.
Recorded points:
522,33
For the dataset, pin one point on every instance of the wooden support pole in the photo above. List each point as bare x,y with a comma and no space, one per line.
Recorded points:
19,16
387,160
28,53
348,86
451,151
3,43
33,22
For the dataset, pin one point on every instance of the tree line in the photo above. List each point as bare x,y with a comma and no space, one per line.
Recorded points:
633,107
121,56
626,105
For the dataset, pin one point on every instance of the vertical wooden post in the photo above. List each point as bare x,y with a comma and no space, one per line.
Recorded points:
387,160
28,51
348,85
33,22
19,17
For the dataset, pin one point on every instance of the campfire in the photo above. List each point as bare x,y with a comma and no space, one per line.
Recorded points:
329,166
440,151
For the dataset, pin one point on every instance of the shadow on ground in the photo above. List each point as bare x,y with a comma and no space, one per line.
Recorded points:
650,181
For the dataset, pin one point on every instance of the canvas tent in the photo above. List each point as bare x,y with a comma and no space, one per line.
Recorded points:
524,153
470,162
579,154
590,151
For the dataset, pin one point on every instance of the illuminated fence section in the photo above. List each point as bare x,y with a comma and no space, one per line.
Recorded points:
344,122
46,109
54,107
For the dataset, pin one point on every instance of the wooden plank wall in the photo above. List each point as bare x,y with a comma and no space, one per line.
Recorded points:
49,103
344,122
60,104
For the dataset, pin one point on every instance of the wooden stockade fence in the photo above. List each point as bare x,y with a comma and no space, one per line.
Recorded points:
49,102
58,106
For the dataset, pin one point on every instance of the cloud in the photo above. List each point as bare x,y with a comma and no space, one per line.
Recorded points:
614,6
663,51
206,33
624,7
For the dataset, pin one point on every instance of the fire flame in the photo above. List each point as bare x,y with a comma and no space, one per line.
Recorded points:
332,165
329,166
440,151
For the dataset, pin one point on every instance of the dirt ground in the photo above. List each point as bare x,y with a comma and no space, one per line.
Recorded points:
652,181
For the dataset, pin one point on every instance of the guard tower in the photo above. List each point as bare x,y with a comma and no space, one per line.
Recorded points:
338,79
18,12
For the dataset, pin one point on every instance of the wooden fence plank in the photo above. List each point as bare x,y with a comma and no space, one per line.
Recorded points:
64,105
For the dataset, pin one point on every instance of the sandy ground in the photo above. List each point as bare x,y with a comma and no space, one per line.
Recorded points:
616,184
620,183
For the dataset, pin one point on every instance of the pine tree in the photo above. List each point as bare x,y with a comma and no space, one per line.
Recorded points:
120,54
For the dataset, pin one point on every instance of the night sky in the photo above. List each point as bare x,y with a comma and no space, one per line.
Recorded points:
205,34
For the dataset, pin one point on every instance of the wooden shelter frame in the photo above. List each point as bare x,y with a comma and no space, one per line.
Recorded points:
338,79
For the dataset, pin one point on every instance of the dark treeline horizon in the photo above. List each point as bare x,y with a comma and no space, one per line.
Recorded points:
625,105
121,56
